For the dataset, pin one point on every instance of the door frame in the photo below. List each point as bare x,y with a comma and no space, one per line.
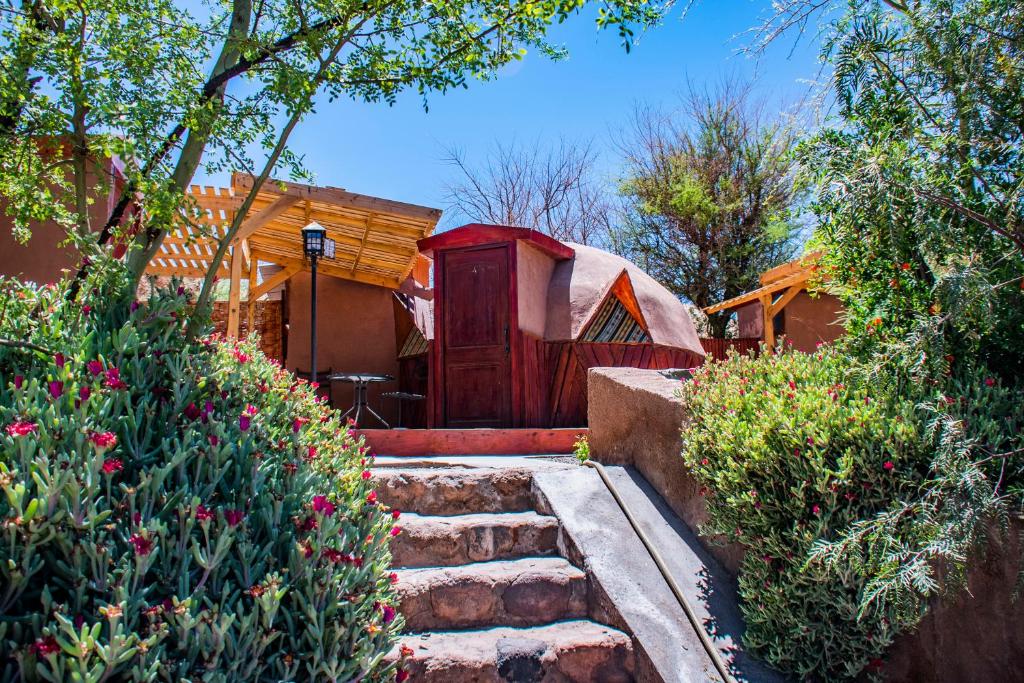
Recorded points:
438,418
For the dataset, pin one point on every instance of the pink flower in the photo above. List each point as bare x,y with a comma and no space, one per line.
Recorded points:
103,440
95,367
22,428
203,513
112,465
192,411
297,424
395,514
888,465
816,509
989,382
241,357
18,381
366,474
86,308
401,676
371,497
322,505
44,647
388,614
393,578
58,360
143,546
311,454
234,517
395,530
114,380
134,307
810,441
251,409
56,389
84,393
212,438
243,422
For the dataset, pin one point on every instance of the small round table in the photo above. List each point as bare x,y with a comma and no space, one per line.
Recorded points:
360,381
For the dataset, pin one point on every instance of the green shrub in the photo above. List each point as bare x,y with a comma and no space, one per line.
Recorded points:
177,510
790,452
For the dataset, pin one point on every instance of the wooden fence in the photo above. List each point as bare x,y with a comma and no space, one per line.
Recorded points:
718,348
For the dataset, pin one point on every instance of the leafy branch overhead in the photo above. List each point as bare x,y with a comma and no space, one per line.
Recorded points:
167,88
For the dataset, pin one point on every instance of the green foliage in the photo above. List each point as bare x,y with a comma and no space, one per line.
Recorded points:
708,197
167,86
581,448
790,453
918,191
177,510
845,492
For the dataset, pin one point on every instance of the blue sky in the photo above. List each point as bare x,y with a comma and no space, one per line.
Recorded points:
398,152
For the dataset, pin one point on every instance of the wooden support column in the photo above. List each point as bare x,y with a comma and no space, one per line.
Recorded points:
250,299
234,292
769,327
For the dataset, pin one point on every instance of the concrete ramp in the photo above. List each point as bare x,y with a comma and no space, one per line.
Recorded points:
608,549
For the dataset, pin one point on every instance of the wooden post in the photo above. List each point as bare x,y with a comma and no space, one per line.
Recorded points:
769,327
234,293
250,299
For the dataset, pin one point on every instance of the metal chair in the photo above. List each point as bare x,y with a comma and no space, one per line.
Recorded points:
401,396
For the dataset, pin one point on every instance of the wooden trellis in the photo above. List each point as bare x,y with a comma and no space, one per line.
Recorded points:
375,238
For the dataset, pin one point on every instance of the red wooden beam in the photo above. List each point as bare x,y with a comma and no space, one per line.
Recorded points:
426,442
475,234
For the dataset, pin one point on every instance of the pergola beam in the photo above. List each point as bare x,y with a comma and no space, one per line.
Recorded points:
234,293
277,279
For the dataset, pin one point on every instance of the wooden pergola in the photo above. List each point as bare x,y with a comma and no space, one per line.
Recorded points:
779,286
375,239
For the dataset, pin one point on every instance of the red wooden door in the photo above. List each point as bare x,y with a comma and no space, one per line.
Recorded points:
477,372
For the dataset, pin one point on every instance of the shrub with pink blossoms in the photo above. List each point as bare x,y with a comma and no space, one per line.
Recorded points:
175,510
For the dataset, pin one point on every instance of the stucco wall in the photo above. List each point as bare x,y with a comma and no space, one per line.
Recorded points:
533,273
811,320
355,333
635,419
41,260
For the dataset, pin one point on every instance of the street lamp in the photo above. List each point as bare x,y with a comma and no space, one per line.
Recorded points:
314,237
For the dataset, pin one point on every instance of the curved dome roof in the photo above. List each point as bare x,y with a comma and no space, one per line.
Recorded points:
579,285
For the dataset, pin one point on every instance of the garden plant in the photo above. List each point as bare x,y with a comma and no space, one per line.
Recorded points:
177,509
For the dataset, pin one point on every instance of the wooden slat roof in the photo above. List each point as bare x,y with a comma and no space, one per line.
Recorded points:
774,280
375,238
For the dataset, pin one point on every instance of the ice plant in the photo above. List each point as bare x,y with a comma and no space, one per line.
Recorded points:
22,428
179,494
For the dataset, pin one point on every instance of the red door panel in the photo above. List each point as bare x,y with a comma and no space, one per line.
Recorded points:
477,364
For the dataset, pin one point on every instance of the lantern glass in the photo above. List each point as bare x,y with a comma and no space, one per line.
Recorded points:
313,236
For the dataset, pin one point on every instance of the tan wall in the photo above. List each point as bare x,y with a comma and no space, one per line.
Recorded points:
811,320
355,333
533,270
41,260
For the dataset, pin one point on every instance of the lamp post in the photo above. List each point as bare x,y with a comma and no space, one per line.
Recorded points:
313,238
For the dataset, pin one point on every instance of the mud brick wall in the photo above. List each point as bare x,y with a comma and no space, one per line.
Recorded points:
267,324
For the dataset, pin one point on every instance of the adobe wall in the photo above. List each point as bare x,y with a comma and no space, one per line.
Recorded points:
533,276
635,419
355,333
813,320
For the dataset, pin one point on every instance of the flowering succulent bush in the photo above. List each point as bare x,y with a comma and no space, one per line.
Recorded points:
177,510
837,486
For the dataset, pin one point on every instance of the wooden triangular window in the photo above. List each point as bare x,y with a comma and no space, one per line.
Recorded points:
618,319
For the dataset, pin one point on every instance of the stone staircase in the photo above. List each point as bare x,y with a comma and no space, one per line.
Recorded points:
484,591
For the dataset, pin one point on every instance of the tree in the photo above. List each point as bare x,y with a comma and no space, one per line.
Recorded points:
167,91
552,189
919,192
708,193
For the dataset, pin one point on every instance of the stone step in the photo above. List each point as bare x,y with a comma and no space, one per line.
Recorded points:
522,592
455,491
430,541
577,651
